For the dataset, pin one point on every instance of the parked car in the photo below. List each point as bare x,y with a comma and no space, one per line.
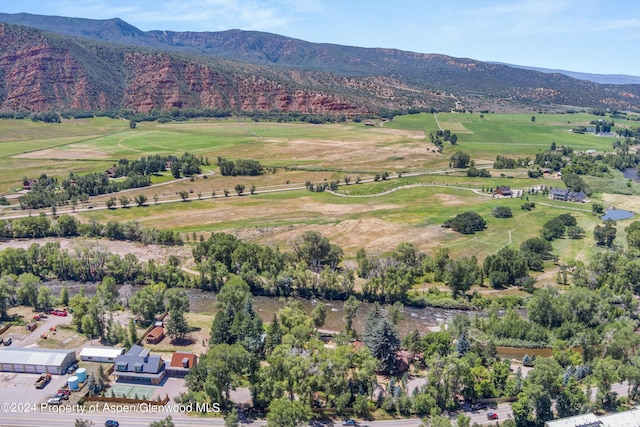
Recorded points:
111,423
63,391
72,368
492,416
54,401
349,423
61,396
7,341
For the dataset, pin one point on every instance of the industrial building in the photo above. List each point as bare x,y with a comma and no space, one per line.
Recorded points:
100,354
629,418
36,360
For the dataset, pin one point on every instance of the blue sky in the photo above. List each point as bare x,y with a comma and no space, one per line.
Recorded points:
593,36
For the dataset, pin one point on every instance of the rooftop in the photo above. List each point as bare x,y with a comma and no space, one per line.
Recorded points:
33,356
101,352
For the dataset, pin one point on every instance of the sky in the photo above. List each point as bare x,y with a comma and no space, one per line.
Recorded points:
591,36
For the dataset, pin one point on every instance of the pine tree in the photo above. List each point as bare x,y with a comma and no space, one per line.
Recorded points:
463,346
381,337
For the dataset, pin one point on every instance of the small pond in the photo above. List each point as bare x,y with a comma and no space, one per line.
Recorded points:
631,173
617,214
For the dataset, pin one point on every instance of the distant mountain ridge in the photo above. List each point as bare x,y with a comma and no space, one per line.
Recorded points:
110,64
605,79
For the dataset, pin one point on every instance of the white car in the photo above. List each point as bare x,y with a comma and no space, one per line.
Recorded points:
54,401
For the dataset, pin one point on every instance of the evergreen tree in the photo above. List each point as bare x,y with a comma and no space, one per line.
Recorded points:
381,338
463,346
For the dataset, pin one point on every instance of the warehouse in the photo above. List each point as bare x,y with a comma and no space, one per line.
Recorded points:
100,354
36,360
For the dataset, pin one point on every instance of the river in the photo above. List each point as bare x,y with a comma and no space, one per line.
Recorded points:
421,319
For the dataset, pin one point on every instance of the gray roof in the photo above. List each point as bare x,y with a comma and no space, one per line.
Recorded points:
34,356
139,355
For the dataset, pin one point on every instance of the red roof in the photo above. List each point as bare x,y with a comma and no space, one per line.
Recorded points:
178,357
156,332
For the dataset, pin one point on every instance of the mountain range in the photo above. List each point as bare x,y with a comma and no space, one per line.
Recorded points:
59,63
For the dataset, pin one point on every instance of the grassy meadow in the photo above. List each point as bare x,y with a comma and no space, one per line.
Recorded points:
374,215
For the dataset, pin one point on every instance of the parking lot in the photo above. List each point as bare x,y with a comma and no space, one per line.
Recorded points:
20,388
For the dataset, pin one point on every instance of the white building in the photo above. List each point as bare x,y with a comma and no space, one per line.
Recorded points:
100,354
629,418
36,360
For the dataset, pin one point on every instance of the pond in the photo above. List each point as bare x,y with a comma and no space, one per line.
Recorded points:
631,173
617,214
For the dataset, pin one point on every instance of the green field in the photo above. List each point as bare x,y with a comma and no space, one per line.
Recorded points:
374,215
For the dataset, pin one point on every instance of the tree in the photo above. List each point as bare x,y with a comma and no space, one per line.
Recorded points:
132,124
466,223
124,201
177,304
502,212
44,298
133,333
319,314
167,422
461,274
108,292
381,338
460,159
64,294
239,189
140,199
110,202
351,306
285,413
394,313
316,251
184,195
67,226
463,346
148,302
232,419
175,169
605,235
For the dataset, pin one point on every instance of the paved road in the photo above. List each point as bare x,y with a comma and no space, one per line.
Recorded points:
129,420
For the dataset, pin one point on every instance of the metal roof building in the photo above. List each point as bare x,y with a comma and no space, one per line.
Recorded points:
629,418
100,354
36,360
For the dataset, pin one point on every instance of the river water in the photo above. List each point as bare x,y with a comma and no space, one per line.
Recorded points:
421,319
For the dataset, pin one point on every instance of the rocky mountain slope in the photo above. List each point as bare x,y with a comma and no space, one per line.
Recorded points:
108,65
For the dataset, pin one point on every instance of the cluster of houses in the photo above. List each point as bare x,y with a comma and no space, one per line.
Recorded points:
139,365
560,194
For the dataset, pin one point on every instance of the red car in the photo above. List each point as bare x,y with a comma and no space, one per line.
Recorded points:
492,416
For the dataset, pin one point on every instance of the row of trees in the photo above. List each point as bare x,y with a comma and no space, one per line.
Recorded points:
39,226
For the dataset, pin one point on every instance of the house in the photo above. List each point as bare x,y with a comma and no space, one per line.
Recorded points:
138,365
181,363
503,191
31,326
565,195
111,172
27,184
155,335
100,354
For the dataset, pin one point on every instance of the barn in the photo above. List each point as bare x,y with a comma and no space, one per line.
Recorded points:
36,360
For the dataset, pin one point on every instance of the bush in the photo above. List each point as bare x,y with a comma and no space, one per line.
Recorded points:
502,212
